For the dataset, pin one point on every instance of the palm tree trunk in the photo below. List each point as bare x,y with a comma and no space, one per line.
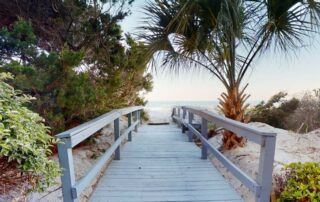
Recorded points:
233,106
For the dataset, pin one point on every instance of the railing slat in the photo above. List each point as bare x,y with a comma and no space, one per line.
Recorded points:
84,134
243,177
81,127
70,138
96,168
73,131
240,128
128,110
267,140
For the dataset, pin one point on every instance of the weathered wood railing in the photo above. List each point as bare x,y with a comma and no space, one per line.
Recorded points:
71,188
263,184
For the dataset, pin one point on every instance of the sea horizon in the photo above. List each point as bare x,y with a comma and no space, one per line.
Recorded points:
165,105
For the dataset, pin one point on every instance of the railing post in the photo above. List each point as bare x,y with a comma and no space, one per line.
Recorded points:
264,177
179,115
184,113
66,164
190,134
204,133
129,124
116,126
172,114
135,115
139,117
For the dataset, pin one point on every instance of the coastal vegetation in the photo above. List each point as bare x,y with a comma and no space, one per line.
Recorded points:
25,143
63,63
299,182
275,111
226,38
301,114
93,71
68,62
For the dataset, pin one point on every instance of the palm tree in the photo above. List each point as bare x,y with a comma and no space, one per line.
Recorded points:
209,34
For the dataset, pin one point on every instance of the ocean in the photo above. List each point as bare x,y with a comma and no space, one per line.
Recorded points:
160,111
170,104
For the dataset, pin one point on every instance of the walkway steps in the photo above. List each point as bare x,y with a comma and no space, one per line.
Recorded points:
161,165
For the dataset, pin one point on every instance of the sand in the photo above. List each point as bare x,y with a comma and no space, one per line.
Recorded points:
290,147
83,158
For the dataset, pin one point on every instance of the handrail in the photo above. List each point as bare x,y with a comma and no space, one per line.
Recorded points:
263,184
71,189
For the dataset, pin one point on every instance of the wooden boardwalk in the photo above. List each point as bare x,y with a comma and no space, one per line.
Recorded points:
161,165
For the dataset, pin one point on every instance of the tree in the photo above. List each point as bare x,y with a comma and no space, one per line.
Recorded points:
75,22
225,38
73,86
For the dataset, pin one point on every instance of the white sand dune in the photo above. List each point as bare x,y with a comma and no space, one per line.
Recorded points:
290,147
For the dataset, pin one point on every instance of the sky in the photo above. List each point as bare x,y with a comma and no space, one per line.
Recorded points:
270,74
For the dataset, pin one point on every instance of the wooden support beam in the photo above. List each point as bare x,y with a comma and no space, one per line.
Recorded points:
68,177
116,127
264,177
204,133
129,116
135,117
190,134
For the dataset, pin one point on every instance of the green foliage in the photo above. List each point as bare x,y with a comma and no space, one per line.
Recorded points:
72,22
72,87
276,111
302,183
24,138
18,42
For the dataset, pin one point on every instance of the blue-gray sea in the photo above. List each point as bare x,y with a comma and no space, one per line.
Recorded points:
170,104
161,110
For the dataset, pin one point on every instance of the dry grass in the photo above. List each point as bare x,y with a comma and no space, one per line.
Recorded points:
306,117
12,178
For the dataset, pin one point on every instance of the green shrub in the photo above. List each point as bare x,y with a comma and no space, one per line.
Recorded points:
274,112
302,182
24,139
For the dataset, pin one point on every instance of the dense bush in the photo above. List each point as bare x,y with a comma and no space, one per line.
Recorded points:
307,116
24,141
72,87
300,182
300,115
276,111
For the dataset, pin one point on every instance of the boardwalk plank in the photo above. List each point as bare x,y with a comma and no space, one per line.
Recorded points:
161,165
